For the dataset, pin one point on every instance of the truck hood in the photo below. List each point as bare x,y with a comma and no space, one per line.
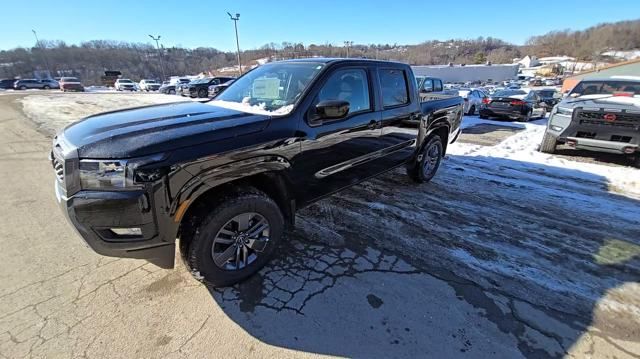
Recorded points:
152,129
602,101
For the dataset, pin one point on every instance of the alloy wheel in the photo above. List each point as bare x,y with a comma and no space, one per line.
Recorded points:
432,156
239,242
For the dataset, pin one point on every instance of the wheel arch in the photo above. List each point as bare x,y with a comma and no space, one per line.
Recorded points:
207,188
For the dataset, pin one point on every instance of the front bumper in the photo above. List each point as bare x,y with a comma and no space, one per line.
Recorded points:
93,213
600,136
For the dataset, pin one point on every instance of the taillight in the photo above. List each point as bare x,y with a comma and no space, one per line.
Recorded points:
486,100
517,103
623,94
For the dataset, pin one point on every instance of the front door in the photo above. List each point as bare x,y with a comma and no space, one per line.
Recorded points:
338,153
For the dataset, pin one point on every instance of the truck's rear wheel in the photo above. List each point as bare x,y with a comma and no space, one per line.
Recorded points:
548,144
235,239
428,161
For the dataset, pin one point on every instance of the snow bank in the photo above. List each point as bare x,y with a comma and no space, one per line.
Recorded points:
523,148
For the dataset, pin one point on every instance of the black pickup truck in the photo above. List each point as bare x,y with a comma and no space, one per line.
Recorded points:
226,176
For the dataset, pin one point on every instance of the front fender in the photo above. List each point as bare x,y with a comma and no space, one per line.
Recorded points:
214,176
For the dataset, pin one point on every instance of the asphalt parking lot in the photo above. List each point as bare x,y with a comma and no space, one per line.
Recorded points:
494,258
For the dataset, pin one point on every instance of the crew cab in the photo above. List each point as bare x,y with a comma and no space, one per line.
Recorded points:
597,115
226,176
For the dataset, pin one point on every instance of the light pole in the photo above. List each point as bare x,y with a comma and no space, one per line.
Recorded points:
44,55
156,39
235,23
347,44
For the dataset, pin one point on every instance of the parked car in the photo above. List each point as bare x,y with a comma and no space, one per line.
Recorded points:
7,83
535,82
215,90
549,96
520,105
50,84
172,86
200,87
597,115
549,82
227,175
71,84
149,85
472,100
26,84
124,85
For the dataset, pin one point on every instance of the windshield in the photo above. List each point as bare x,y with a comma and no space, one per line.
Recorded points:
546,94
605,88
272,88
507,93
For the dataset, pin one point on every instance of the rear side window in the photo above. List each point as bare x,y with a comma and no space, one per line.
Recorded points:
393,85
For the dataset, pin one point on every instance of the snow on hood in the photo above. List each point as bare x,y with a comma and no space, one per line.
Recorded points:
253,109
607,99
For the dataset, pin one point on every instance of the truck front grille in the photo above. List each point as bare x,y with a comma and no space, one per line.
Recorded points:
58,167
622,119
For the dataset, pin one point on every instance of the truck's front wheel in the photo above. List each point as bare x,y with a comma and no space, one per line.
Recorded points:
235,239
548,144
428,160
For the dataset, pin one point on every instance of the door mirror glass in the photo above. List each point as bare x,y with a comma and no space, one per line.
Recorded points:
332,109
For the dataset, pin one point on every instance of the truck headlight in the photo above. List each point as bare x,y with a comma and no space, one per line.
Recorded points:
104,174
564,111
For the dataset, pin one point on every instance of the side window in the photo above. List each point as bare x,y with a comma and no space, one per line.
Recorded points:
215,82
393,84
437,85
349,85
427,85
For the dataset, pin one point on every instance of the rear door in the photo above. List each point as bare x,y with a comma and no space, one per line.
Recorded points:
338,153
398,109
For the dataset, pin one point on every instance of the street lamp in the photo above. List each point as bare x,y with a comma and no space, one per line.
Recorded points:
156,39
44,55
235,23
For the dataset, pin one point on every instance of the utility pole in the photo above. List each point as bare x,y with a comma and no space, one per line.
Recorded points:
44,55
347,44
235,23
156,39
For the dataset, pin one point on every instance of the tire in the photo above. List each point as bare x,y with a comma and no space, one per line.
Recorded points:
425,168
46,88
527,117
472,110
548,144
171,92
202,93
23,87
636,161
219,223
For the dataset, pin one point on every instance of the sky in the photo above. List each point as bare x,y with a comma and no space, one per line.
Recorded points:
206,23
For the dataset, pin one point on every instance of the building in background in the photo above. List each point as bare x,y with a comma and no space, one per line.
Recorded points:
627,68
469,73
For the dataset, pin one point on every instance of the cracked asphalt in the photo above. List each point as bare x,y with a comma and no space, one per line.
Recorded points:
385,269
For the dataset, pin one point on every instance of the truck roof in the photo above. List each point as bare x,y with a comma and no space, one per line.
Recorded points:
327,60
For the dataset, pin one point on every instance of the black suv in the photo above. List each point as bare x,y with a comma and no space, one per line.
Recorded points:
200,87
7,83
226,176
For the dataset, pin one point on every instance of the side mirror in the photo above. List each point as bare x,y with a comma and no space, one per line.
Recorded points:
426,90
331,109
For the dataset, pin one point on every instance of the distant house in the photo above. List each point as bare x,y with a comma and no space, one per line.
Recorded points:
627,68
469,73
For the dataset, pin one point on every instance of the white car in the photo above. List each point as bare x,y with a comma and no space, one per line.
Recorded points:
549,83
125,85
472,100
149,85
